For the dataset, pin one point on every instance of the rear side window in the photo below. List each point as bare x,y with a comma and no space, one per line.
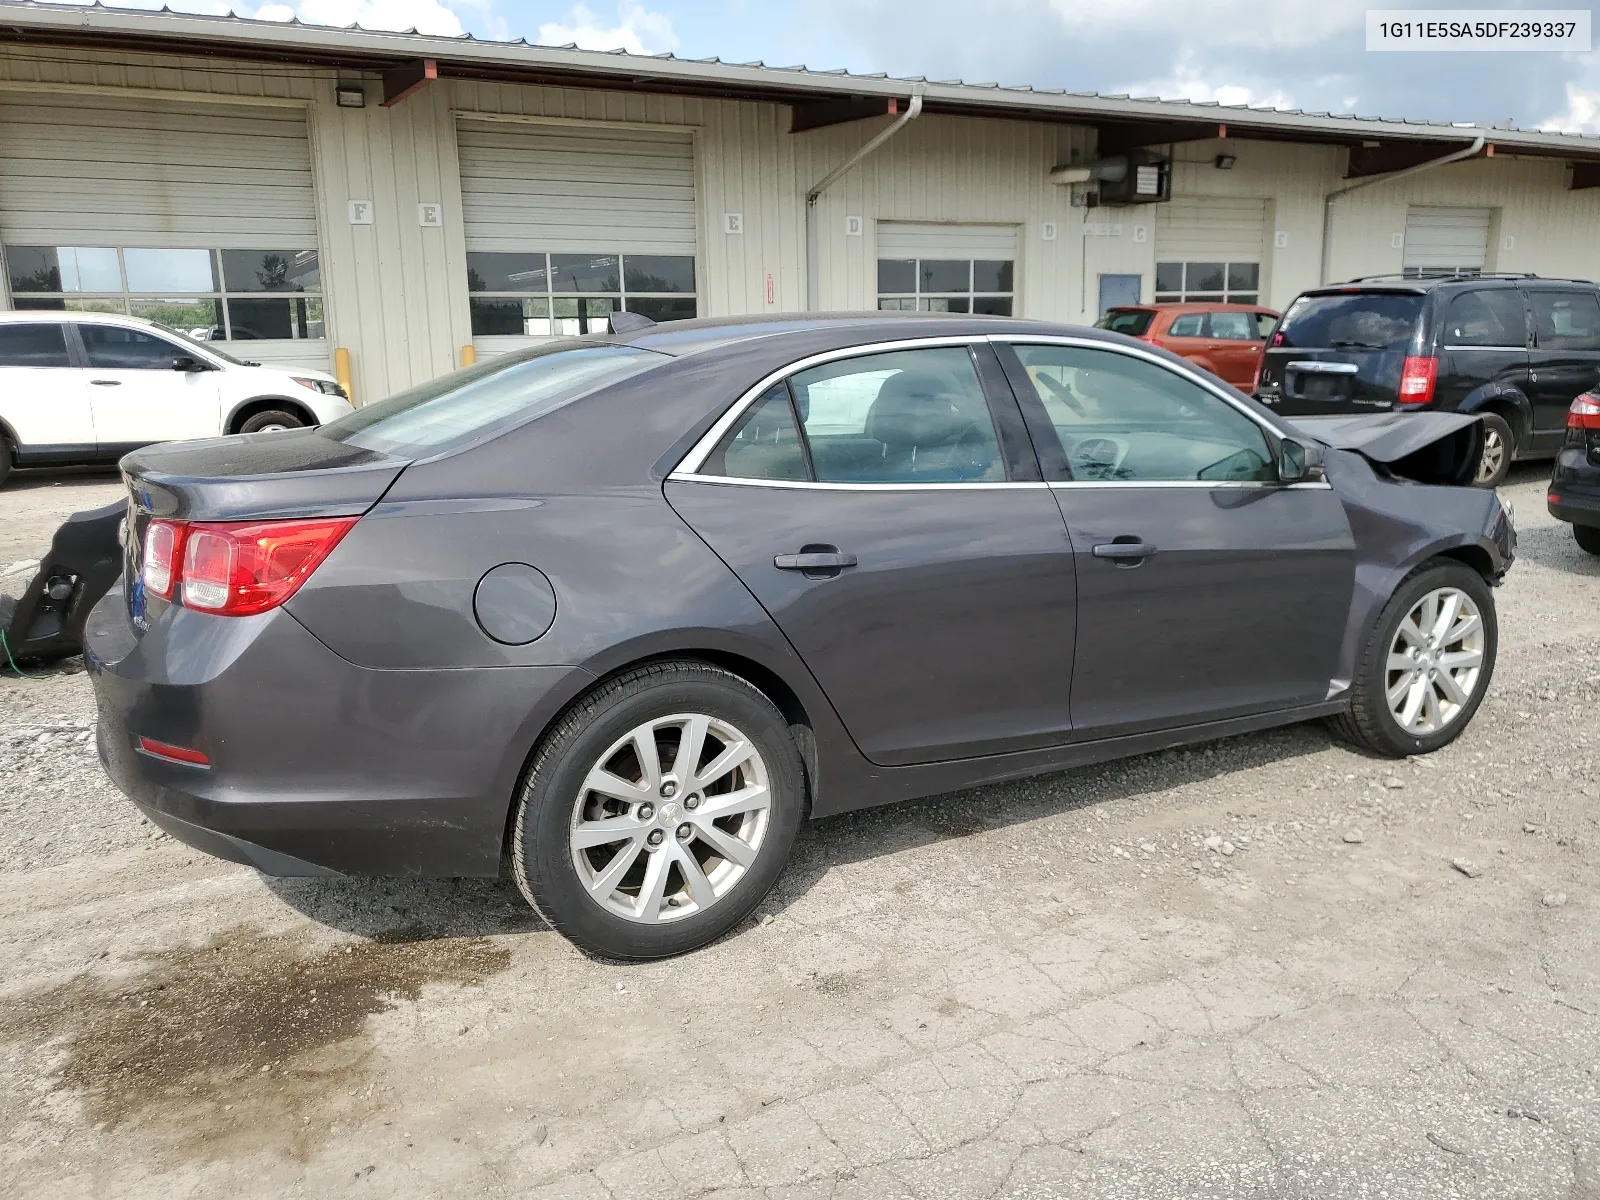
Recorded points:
449,412
1191,325
33,346
1131,321
1264,324
1351,321
1490,318
765,444
1566,320
1233,326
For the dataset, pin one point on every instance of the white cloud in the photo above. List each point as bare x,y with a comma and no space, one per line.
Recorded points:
1582,114
1187,80
1222,23
636,30
426,16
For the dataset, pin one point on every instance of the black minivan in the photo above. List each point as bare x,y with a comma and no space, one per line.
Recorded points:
1516,348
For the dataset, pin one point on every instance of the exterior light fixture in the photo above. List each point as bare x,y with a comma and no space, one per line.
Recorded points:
351,97
1224,162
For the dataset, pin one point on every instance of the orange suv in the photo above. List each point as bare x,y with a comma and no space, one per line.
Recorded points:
1225,339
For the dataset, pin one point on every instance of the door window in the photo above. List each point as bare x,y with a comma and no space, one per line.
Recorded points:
1264,324
1233,326
114,348
1189,325
33,346
1488,318
1124,419
907,416
1566,320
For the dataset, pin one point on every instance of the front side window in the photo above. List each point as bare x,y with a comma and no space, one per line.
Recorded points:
211,295
906,416
1489,318
946,285
33,346
1220,282
117,348
539,294
1566,320
1124,419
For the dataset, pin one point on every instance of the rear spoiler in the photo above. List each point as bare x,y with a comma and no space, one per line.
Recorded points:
1426,447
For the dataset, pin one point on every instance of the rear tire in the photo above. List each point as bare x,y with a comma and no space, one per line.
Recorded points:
1587,537
1373,722
701,834
271,419
1499,448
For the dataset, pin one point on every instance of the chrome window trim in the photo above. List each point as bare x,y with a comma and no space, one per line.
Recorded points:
689,465
1209,484
808,485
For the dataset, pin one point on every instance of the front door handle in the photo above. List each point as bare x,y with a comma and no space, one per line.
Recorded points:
106,382
1125,552
814,560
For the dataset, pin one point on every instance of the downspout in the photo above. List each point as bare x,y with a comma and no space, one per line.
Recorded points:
1327,204
813,267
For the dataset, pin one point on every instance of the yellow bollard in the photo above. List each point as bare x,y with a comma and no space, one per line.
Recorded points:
468,355
341,372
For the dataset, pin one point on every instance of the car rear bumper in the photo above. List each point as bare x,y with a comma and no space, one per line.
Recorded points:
1574,493
316,765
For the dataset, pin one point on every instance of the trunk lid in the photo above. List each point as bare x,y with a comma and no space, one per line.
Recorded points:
299,473
1341,351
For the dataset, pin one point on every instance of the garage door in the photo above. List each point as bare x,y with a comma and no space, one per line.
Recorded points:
1446,241
947,268
1210,248
566,224
200,216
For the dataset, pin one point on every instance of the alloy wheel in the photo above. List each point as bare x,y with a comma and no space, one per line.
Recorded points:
1435,661
670,818
1494,455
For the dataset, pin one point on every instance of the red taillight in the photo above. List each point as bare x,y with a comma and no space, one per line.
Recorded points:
1584,412
177,754
1416,379
163,551
236,569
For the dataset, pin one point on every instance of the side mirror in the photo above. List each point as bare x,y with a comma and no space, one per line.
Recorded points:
1299,462
186,362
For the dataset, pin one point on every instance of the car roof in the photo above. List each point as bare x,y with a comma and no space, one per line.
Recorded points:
11,316
1186,306
1424,284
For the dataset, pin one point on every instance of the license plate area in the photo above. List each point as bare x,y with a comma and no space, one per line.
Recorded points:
1308,385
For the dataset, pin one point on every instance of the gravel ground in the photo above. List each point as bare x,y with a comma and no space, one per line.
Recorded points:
1266,967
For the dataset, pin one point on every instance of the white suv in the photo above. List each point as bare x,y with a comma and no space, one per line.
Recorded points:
89,387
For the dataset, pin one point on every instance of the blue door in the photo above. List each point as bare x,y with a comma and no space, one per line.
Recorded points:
1117,290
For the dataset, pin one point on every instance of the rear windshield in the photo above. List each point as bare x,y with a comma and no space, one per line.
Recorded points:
464,406
1131,321
1351,321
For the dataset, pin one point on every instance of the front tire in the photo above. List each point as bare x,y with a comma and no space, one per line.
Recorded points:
1587,536
659,812
1499,448
1426,665
270,420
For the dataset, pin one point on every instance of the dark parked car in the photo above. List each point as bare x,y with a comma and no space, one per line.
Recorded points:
625,610
1515,349
1575,483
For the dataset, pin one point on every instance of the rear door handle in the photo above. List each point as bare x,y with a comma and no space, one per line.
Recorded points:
814,560
1124,551
106,382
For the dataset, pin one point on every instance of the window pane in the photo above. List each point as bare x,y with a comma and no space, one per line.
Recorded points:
1125,419
1204,297
41,304
273,270
1375,320
992,306
946,275
897,274
1204,277
991,276
1169,277
510,317
897,303
912,416
946,304
1168,297
1566,320
585,273
170,271
1233,326
1189,325
1243,277
33,346
764,444
658,272
1264,324
1131,321
200,319
113,347
495,272
1486,319
663,308
575,315
262,320
64,269
1244,298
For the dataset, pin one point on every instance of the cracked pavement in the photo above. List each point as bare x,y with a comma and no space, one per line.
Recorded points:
1044,989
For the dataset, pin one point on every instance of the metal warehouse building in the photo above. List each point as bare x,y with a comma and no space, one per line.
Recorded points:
396,204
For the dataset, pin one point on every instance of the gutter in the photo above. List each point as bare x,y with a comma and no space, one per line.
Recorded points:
813,267
1470,151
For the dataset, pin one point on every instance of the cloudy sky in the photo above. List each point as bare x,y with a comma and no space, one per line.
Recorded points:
1302,53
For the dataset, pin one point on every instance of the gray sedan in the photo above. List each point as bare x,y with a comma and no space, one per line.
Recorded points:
617,613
